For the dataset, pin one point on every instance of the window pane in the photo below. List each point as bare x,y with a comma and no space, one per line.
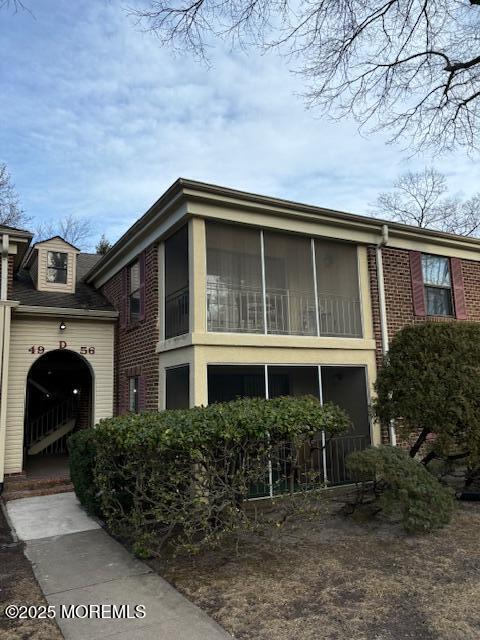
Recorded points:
134,277
436,270
133,394
228,382
234,279
337,285
135,306
57,267
289,284
177,382
176,284
57,259
292,381
57,275
439,301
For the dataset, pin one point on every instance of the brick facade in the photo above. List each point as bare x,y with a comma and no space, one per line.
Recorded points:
399,298
135,344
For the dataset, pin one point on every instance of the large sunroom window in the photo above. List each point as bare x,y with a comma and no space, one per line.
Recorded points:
234,279
289,283
339,312
176,284
280,283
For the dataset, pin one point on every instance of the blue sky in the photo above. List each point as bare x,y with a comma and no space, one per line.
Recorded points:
96,120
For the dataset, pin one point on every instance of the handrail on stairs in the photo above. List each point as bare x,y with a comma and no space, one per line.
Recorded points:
55,417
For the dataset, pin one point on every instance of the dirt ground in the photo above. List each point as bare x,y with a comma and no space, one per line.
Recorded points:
328,578
19,586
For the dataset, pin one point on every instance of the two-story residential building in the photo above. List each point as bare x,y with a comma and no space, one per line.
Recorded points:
212,294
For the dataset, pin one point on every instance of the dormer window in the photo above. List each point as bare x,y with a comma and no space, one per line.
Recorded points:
57,264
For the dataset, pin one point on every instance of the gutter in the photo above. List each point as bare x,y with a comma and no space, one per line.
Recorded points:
383,314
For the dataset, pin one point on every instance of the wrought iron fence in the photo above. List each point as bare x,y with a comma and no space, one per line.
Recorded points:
238,309
315,464
176,313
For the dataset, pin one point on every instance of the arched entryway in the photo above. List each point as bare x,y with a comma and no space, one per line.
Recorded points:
58,402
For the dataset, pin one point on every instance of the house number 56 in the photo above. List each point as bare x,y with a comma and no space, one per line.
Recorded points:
89,350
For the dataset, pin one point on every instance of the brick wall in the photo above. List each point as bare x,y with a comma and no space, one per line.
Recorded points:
398,294
135,345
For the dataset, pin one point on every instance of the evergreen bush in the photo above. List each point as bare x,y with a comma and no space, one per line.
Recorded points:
429,386
401,484
187,473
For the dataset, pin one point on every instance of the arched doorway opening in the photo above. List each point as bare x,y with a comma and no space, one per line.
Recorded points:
58,402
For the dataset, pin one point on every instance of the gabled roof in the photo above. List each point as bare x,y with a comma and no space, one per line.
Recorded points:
85,296
55,238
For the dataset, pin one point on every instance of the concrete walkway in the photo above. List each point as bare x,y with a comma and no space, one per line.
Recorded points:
77,563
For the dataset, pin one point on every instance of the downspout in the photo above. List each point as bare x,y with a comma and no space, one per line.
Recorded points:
5,340
383,313
4,280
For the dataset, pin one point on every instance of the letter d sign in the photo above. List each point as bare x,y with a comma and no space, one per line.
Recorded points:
62,344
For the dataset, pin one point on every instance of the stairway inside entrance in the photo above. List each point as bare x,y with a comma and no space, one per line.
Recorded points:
43,475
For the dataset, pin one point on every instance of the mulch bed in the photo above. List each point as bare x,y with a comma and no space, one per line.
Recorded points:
329,578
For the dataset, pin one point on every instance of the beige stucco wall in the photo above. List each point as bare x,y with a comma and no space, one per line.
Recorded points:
41,331
200,348
198,357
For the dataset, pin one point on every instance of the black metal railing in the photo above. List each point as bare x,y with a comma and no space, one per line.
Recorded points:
177,313
239,309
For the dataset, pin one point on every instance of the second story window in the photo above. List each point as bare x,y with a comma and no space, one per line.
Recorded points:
134,293
57,263
437,283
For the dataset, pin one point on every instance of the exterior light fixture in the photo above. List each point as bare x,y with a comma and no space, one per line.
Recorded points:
62,326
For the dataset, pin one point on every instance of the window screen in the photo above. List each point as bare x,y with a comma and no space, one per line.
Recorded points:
290,291
177,388
338,292
234,279
176,284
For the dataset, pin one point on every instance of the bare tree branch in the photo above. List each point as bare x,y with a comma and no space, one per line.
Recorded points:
420,199
411,67
76,231
11,213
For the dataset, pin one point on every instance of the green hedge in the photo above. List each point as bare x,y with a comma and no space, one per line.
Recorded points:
82,454
187,473
402,484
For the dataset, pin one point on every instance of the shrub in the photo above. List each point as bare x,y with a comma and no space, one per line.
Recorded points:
187,473
82,451
402,484
430,386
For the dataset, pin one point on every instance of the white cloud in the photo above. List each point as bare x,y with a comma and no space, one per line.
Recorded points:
97,120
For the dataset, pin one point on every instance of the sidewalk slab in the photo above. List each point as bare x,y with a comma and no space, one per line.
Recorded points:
167,613
45,516
80,560
78,563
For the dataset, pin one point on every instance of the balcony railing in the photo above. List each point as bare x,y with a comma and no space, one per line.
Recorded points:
176,313
237,309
